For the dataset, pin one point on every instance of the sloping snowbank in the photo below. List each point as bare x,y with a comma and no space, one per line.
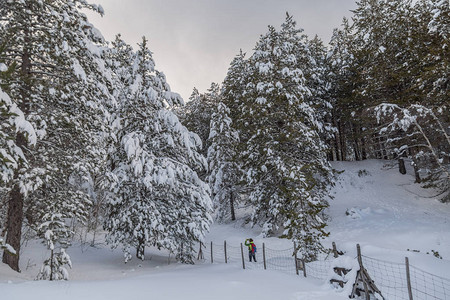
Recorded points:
387,213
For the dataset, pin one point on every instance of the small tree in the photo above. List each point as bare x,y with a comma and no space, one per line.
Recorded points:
56,237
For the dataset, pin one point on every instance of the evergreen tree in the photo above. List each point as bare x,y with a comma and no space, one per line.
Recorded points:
234,83
432,34
55,233
317,75
11,121
157,198
196,114
224,172
59,85
282,154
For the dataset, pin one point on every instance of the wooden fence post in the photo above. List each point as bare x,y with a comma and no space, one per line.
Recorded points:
361,268
408,279
225,250
264,256
212,260
363,279
200,252
242,254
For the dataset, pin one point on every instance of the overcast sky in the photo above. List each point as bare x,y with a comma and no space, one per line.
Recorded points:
194,41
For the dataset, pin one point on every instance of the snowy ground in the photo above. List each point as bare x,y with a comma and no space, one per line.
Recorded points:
388,214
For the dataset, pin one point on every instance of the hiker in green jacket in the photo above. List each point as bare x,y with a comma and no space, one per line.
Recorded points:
251,249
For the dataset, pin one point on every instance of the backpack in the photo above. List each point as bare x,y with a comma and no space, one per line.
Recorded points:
253,247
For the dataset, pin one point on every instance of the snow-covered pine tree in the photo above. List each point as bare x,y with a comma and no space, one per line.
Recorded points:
156,197
224,173
342,80
317,74
234,84
281,151
12,120
196,114
432,37
55,233
11,157
59,85
402,67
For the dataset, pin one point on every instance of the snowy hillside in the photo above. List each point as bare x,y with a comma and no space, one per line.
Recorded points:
374,205
389,214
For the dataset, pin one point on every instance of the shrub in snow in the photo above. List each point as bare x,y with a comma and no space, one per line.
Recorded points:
5,247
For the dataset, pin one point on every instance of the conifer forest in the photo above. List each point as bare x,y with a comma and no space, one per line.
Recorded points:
93,139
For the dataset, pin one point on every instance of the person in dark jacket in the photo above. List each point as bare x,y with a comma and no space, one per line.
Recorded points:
251,249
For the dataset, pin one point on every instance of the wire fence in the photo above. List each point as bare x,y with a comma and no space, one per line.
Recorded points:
395,281
404,281
389,277
428,286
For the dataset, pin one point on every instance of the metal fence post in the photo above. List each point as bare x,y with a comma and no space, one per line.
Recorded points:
212,260
408,279
242,254
225,250
264,256
295,257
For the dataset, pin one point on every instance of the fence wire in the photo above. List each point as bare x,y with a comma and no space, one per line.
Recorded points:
319,269
281,260
389,277
276,259
428,286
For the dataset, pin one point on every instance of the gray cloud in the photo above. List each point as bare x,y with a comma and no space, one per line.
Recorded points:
194,41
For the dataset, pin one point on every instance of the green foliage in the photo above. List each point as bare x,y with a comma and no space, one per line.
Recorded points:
278,111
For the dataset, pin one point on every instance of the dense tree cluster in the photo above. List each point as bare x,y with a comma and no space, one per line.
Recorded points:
390,86
87,130
92,136
380,89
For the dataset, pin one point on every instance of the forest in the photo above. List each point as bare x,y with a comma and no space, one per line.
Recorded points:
93,139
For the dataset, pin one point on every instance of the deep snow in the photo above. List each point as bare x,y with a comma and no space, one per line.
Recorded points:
387,214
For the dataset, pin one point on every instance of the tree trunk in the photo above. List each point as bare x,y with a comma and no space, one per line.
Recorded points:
14,227
342,150
416,173
51,265
233,216
401,166
363,146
